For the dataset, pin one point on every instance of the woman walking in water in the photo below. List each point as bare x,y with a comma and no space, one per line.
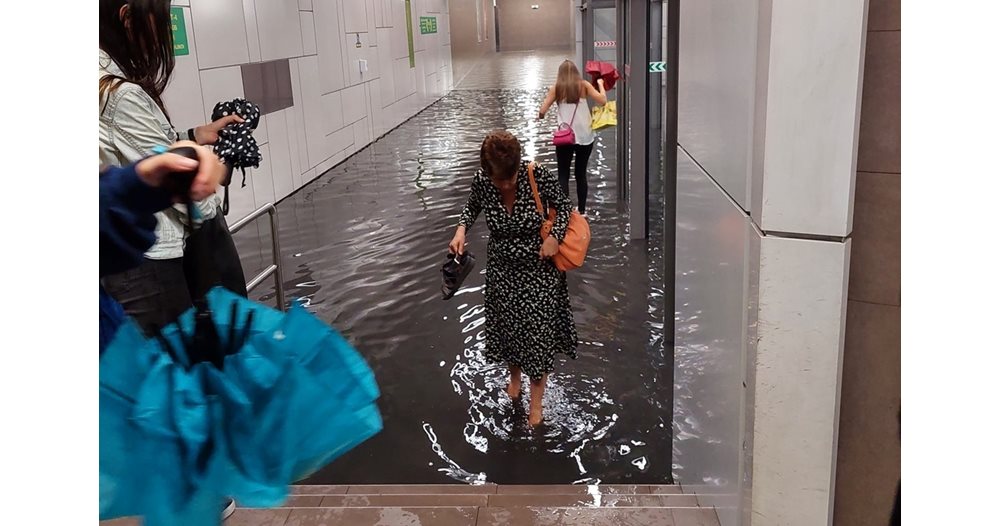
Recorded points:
570,94
528,316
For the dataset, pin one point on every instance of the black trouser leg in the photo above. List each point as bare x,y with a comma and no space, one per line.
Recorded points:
564,157
582,158
153,294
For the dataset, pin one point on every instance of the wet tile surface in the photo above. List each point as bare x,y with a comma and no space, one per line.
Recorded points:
318,489
403,500
571,489
303,501
674,489
383,516
611,501
422,489
254,517
695,517
575,517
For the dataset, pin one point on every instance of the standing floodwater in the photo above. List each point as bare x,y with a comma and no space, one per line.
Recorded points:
362,247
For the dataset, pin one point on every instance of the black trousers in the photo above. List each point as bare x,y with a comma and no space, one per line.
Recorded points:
157,292
564,156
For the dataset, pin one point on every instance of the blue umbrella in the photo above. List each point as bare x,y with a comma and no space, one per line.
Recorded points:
243,406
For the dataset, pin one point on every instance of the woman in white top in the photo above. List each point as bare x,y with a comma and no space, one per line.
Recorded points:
570,92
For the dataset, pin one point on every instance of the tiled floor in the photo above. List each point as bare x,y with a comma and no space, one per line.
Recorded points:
486,505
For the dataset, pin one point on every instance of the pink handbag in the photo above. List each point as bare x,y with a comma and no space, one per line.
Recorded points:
564,135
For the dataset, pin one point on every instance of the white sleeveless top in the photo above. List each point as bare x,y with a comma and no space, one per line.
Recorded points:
581,123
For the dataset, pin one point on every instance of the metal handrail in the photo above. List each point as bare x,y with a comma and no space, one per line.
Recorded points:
275,267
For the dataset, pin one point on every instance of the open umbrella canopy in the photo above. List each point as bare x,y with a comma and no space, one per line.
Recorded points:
235,399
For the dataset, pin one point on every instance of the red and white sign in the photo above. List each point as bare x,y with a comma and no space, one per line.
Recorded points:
604,43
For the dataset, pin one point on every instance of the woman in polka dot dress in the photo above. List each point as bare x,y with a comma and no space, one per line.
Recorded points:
528,316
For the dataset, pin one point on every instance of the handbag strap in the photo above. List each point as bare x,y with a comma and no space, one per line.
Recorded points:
534,189
573,118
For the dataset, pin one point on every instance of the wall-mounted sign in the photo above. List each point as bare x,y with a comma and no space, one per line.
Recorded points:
180,32
428,25
657,67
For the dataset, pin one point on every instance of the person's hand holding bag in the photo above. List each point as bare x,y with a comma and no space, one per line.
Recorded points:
209,133
549,248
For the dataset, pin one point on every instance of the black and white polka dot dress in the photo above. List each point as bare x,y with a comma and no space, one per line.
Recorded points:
528,316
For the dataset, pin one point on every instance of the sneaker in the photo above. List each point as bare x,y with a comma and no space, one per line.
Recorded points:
454,272
228,509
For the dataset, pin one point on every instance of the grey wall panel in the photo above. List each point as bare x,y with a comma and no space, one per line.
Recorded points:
712,240
716,89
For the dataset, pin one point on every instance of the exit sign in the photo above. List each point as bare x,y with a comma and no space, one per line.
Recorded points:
180,32
428,25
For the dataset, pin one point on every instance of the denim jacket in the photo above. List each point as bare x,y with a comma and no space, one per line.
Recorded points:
131,127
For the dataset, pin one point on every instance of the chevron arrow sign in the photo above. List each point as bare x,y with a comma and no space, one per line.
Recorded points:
657,67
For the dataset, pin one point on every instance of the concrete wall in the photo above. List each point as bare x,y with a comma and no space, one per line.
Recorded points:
473,33
868,462
336,108
775,201
524,28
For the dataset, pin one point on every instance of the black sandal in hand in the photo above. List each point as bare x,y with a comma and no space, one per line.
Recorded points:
454,272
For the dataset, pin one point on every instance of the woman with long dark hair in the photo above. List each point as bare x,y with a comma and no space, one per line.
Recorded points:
136,59
528,315
570,94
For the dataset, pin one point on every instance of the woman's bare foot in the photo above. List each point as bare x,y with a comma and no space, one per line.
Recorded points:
514,390
535,415
514,385
537,394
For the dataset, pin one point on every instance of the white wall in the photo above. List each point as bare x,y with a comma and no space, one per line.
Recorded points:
337,109
768,111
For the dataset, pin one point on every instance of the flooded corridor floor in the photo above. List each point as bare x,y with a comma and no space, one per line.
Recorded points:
362,248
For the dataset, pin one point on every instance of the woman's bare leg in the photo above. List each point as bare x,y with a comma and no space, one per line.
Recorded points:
514,386
537,391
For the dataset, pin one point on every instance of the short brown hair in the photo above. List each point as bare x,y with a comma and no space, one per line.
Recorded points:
500,154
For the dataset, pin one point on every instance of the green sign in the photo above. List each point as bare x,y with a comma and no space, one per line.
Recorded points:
409,34
428,25
180,32
657,67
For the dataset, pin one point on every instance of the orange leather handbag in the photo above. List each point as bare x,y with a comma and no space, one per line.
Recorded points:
573,249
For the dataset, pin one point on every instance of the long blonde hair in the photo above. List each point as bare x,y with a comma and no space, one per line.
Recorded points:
569,83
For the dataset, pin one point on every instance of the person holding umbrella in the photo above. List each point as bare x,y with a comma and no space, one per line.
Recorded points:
136,60
130,196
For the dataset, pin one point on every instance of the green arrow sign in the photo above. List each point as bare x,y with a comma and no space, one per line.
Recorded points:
657,67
